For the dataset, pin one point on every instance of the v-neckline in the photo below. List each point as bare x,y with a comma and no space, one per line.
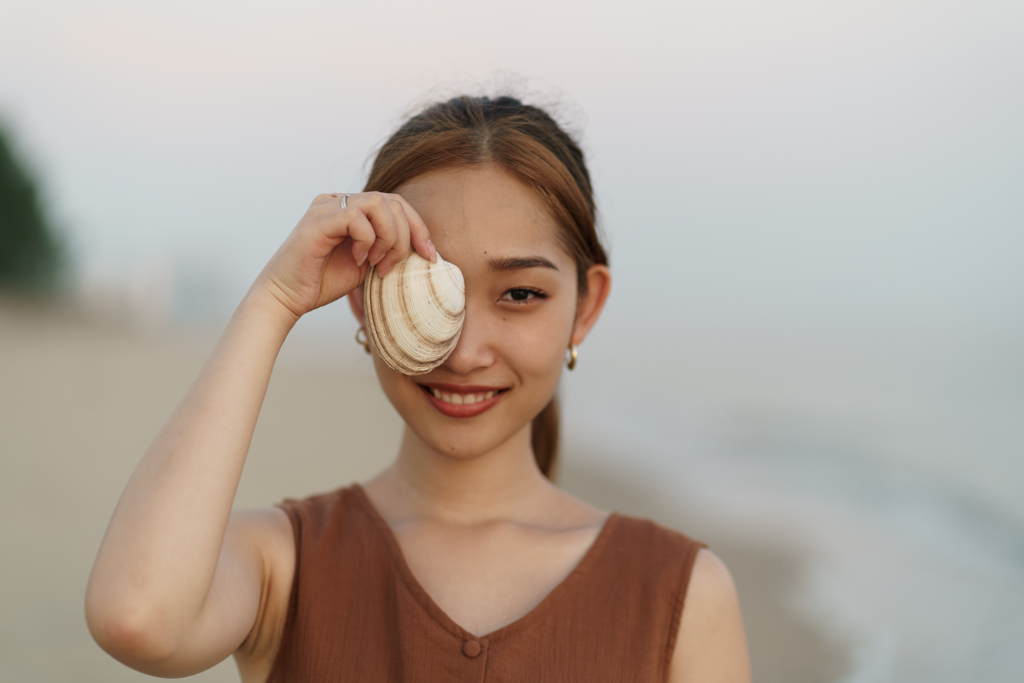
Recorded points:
441,617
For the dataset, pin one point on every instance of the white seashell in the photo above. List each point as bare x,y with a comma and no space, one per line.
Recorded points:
414,313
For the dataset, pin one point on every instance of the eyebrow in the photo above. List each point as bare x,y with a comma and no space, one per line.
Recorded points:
521,263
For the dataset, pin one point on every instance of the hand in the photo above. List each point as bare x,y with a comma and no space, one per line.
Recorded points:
328,253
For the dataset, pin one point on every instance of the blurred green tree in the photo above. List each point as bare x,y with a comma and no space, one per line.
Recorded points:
32,259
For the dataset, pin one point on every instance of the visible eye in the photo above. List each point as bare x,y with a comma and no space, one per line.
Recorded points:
522,295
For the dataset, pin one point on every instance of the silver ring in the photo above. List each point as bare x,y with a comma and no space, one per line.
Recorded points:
344,199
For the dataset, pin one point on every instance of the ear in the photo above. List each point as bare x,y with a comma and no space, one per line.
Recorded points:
355,302
599,286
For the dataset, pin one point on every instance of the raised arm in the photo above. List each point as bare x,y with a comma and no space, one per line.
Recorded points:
178,584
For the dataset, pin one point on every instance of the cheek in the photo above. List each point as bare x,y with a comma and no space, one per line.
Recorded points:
398,388
539,348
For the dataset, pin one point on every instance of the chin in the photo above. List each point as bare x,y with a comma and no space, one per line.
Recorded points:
462,443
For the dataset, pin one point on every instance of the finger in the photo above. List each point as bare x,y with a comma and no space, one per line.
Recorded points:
419,234
377,208
358,220
361,233
325,202
402,247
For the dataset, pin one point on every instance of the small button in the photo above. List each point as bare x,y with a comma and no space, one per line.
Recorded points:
471,648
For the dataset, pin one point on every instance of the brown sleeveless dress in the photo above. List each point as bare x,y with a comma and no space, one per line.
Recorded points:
358,614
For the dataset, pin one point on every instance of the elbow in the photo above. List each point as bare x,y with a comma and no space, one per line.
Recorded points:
129,632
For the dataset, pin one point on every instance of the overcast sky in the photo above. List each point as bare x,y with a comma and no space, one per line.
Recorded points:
786,163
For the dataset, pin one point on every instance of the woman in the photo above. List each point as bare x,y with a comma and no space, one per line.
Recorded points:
461,560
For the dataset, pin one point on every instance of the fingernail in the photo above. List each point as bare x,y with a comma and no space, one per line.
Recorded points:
433,250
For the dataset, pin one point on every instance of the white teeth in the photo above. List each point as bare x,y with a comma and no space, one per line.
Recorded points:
462,399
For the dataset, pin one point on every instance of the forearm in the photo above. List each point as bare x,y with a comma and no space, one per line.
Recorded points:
161,548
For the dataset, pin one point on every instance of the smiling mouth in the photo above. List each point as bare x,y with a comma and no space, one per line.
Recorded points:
456,401
462,399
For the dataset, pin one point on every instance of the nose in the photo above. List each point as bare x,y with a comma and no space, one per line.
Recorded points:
476,347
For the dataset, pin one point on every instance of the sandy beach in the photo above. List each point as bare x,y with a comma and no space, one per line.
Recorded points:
80,399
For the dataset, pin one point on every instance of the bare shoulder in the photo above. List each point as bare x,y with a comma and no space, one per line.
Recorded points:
712,645
268,533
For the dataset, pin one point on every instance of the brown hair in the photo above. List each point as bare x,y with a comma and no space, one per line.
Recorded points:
529,145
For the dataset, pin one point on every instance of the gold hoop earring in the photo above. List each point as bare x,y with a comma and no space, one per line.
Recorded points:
365,340
571,363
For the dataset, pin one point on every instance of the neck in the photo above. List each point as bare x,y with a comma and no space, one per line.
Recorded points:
499,484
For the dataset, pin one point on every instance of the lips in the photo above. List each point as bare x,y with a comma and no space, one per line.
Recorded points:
462,401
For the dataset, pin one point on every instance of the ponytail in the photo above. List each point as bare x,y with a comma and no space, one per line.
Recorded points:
544,438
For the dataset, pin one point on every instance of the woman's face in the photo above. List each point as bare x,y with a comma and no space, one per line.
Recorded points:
522,310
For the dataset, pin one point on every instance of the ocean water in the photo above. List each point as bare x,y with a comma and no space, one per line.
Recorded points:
896,473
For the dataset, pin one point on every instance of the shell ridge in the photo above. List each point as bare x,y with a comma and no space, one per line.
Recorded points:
413,318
